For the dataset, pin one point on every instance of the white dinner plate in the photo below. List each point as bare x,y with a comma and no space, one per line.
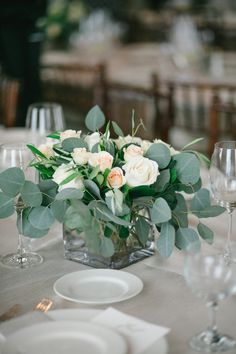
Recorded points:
65,337
159,347
98,286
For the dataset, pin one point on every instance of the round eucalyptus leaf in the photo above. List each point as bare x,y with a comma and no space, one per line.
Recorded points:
31,194
106,248
25,227
201,200
95,119
187,167
186,237
69,193
92,188
71,143
205,233
142,229
11,181
160,212
59,208
159,153
41,218
162,181
6,206
166,240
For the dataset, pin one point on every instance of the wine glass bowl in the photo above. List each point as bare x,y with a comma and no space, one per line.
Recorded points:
44,118
18,155
211,279
223,182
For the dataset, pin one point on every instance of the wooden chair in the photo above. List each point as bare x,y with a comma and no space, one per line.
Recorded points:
9,95
193,112
222,117
74,86
118,100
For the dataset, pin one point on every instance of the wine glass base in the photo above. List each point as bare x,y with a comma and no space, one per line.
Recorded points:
27,260
202,343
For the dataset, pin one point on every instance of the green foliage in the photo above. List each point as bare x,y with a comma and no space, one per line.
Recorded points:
166,240
81,197
160,153
12,181
95,119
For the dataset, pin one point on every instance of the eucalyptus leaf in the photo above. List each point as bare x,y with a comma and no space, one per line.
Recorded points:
95,119
117,129
92,188
181,211
41,218
78,215
59,208
201,200
109,147
31,194
70,144
160,153
6,206
106,247
49,191
160,212
69,193
186,237
105,214
206,233
142,228
12,181
25,227
209,212
166,240
162,181
187,167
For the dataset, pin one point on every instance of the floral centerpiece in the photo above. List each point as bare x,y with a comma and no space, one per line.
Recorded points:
112,195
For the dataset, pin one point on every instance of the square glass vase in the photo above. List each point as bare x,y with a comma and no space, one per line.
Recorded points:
131,252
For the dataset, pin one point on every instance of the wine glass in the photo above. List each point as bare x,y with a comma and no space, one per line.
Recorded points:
223,182
18,155
44,118
212,279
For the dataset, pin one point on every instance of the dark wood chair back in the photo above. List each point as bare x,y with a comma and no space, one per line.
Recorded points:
194,108
74,86
9,96
119,100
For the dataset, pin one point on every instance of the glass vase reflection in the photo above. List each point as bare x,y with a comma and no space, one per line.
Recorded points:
127,251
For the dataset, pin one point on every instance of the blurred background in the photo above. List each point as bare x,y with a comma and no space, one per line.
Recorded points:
172,62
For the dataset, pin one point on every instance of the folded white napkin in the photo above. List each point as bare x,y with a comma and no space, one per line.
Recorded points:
139,334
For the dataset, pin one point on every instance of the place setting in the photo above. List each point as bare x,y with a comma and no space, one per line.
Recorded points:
92,330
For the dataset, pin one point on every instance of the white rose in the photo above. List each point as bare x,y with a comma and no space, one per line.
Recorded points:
80,156
141,171
172,150
121,141
63,172
132,151
102,159
116,178
47,150
70,134
92,139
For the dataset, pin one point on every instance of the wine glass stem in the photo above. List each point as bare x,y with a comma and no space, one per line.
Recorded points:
227,246
212,331
20,246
